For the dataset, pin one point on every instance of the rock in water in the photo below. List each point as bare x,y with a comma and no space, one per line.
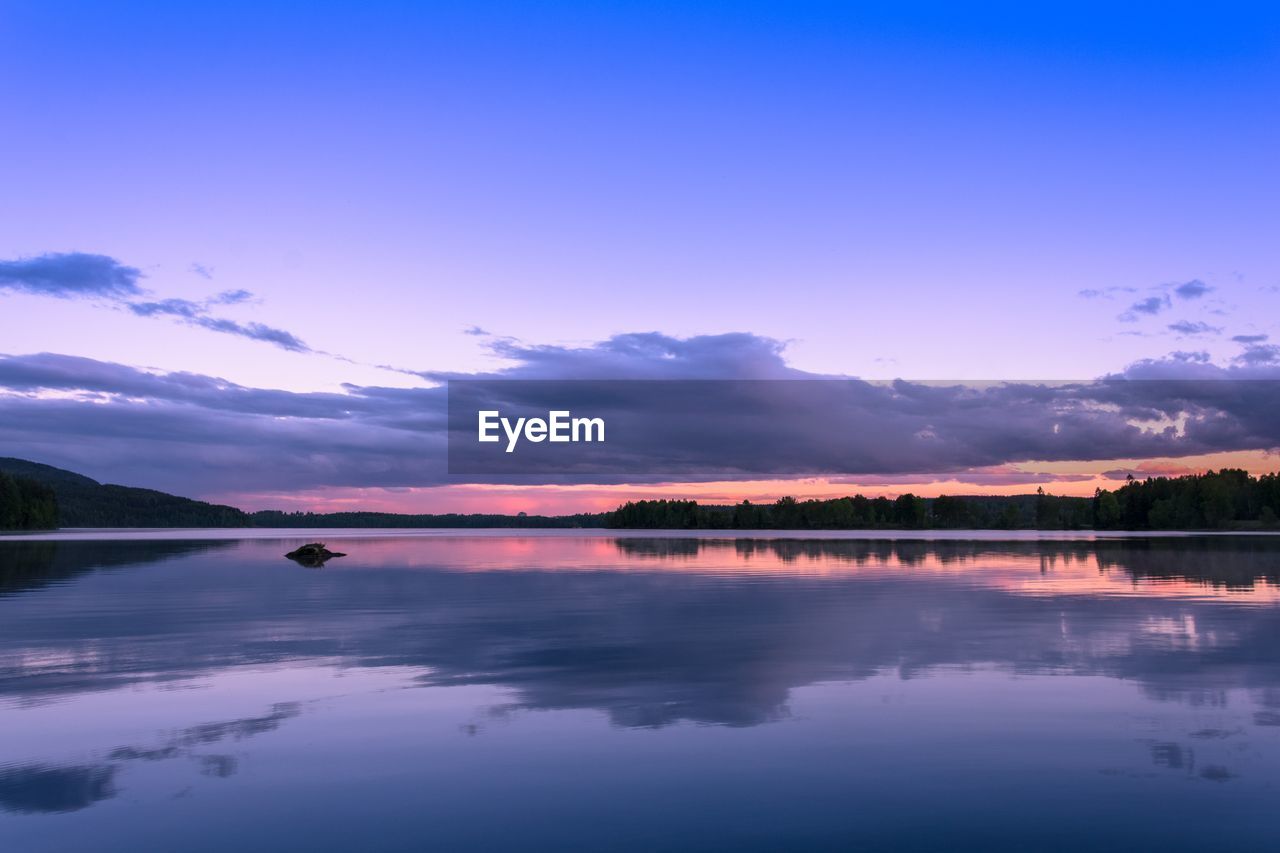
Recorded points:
313,555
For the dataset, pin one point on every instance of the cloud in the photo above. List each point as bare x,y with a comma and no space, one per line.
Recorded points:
996,475
475,331
76,274
201,435
1250,339
1103,293
254,332
642,355
201,270
197,314
1193,289
68,275
1194,327
1153,305
102,381
197,434
184,308
1150,306
1196,357
1149,469
231,297
1259,354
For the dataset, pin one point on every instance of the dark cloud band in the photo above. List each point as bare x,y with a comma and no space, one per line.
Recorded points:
202,435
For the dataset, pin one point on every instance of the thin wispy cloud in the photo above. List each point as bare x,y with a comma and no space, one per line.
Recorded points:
79,275
1148,307
231,297
996,475
1194,327
1193,289
197,314
1162,299
1104,292
184,308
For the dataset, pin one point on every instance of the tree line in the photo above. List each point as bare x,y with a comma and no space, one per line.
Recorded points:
26,504
1216,500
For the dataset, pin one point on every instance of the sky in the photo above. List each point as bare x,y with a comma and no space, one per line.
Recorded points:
300,204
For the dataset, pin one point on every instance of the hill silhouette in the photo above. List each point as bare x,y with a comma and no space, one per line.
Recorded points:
84,502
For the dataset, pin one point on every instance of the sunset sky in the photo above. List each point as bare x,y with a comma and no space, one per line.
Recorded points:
243,245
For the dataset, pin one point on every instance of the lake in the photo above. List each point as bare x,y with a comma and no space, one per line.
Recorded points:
580,690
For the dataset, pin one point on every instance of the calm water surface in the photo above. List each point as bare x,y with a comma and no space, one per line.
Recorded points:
535,691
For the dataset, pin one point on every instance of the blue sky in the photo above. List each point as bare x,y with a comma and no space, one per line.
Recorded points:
890,189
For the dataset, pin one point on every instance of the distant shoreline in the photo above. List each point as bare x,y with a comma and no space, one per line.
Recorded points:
41,496
927,535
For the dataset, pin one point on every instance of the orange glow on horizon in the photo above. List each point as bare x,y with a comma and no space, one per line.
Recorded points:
1059,478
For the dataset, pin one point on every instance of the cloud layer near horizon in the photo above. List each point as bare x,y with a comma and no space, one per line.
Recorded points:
200,435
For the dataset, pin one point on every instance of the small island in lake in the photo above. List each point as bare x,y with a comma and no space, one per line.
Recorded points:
313,554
